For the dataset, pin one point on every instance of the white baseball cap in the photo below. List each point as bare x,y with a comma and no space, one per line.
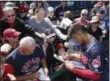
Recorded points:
84,11
50,9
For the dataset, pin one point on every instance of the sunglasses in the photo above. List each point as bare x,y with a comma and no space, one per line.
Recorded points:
12,15
96,23
13,36
84,14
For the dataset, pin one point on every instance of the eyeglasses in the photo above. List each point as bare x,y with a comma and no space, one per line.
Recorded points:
12,15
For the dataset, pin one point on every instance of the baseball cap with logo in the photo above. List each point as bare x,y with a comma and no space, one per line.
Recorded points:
10,4
10,32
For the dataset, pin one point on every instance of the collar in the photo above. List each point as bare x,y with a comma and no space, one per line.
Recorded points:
91,42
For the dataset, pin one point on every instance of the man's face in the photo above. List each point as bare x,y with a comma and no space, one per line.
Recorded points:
10,16
51,13
28,50
84,16
77,37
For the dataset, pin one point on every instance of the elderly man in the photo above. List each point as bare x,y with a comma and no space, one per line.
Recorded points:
82,20
93,57
27,59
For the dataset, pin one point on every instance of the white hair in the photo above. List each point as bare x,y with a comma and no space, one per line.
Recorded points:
7,9
84,11
27,42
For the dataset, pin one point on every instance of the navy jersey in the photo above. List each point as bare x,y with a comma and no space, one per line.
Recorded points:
93,58
25,64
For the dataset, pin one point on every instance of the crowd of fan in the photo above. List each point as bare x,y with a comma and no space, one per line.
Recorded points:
31,35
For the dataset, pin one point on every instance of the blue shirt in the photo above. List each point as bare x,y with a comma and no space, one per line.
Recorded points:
105,23
74,47
25,64
93,58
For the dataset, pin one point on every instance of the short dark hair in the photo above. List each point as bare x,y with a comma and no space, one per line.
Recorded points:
38,9
74,28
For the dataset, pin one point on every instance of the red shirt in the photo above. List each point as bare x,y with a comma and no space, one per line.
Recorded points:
79,21
7,69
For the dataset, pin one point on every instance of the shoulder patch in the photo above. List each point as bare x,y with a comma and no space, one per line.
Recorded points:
96,62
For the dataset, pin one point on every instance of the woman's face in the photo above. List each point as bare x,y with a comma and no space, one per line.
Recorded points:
41,14
96,24
12,39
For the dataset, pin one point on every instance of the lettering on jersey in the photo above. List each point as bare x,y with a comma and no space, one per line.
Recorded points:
84,59
31,65
96,62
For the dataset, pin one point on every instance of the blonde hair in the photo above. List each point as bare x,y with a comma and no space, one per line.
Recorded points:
10,9
68,14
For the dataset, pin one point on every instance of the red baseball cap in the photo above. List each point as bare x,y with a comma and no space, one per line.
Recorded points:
60,45
10,32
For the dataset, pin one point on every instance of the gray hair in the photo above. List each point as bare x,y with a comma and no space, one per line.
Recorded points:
27,42
5,9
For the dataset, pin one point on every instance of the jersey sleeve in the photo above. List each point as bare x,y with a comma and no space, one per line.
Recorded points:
96,61
8,69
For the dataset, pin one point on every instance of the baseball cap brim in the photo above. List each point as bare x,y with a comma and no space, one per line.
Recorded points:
94,21
16,33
